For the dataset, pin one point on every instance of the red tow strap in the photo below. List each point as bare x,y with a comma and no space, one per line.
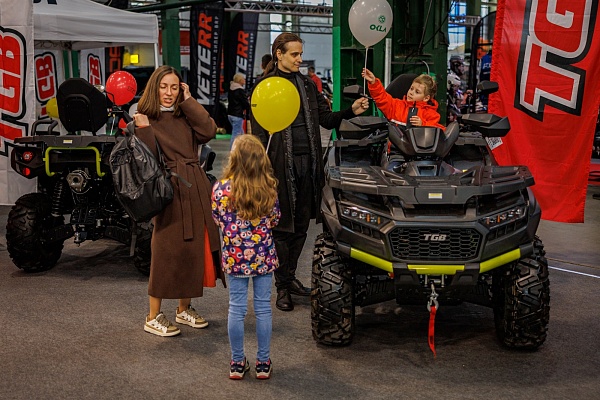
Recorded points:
431,330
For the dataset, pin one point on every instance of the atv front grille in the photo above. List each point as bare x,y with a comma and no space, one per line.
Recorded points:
434,244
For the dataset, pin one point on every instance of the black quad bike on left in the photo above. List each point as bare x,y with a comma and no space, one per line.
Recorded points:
75,195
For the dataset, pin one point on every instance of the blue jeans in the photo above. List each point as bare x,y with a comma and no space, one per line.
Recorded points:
237,127
238,306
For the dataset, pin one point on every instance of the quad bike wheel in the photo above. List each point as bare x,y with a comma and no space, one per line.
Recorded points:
521,298
143,253
26,243
332,299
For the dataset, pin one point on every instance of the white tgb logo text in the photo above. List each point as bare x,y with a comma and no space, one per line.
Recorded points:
557,34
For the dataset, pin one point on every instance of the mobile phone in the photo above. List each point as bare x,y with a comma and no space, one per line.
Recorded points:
411,113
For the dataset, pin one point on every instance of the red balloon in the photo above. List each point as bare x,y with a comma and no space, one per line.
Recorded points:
122,124
121,87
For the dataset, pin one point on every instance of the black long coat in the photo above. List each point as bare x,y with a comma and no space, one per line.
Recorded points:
281,152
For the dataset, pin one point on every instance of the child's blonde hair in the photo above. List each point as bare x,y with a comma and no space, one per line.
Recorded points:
253,185
429,83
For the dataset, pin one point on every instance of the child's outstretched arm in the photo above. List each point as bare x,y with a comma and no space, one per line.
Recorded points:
390,107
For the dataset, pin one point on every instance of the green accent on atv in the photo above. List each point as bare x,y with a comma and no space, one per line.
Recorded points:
426,269
436,269
51,148
371,260
502,259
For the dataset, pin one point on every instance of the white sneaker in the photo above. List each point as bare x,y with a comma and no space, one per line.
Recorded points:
190,317
161,326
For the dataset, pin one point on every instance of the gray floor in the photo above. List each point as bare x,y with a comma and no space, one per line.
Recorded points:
76,332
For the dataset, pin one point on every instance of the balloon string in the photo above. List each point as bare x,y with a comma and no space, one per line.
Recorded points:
364,77
269,142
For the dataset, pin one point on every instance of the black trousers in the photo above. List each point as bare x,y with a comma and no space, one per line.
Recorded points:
289,245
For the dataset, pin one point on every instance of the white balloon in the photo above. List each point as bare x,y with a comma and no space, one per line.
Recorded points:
370,21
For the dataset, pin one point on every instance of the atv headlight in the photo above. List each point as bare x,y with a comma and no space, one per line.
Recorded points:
360,215
504,217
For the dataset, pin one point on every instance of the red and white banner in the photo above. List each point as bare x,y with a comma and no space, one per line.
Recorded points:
17,94
547,63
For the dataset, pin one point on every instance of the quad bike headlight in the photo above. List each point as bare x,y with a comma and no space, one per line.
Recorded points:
360,215
504,217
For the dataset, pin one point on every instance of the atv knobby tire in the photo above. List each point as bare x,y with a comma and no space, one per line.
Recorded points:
332,301
25,241
521,298
143,253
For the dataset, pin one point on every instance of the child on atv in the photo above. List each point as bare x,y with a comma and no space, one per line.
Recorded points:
417,108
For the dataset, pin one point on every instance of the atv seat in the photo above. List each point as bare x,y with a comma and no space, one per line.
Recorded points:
424,140
81,107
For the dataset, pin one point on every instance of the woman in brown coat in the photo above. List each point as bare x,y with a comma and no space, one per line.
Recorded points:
184,237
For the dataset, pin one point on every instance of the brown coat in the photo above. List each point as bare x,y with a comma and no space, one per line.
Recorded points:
177,266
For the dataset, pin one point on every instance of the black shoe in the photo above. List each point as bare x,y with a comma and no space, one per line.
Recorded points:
284,300
298,288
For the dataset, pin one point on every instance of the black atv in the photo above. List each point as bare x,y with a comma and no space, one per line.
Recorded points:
74,180
426,216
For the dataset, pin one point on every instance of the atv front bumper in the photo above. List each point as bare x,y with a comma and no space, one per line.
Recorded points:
408,274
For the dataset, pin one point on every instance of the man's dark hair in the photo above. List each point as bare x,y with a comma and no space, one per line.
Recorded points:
280,43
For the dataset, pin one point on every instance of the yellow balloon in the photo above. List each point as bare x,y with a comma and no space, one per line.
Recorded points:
52,108
275,103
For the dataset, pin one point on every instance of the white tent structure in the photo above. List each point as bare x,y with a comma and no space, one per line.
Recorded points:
83,24
57,25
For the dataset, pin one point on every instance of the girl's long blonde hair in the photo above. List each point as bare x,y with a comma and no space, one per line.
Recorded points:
253,185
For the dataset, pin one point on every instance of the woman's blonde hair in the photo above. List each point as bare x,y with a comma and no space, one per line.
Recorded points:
253,185
238,78
149,103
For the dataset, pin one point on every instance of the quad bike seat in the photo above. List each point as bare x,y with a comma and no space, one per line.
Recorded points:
81,107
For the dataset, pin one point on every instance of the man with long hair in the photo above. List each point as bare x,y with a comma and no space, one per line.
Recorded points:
297,160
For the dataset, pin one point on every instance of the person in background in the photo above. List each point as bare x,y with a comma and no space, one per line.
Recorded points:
245,207
266,59
297,160
420,96
185,240
316,79
238,106
485,73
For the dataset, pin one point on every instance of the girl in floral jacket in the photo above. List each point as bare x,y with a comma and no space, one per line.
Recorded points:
245,207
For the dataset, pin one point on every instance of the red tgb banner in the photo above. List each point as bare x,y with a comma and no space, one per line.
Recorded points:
17,98
547,63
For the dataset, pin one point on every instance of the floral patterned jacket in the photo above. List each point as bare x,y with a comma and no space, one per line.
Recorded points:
248,246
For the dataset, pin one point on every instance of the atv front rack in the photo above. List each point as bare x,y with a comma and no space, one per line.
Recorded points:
453,189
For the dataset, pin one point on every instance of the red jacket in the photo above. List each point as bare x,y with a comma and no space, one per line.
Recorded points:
397,109
317,82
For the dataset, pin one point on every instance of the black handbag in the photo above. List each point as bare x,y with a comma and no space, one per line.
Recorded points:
142,182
